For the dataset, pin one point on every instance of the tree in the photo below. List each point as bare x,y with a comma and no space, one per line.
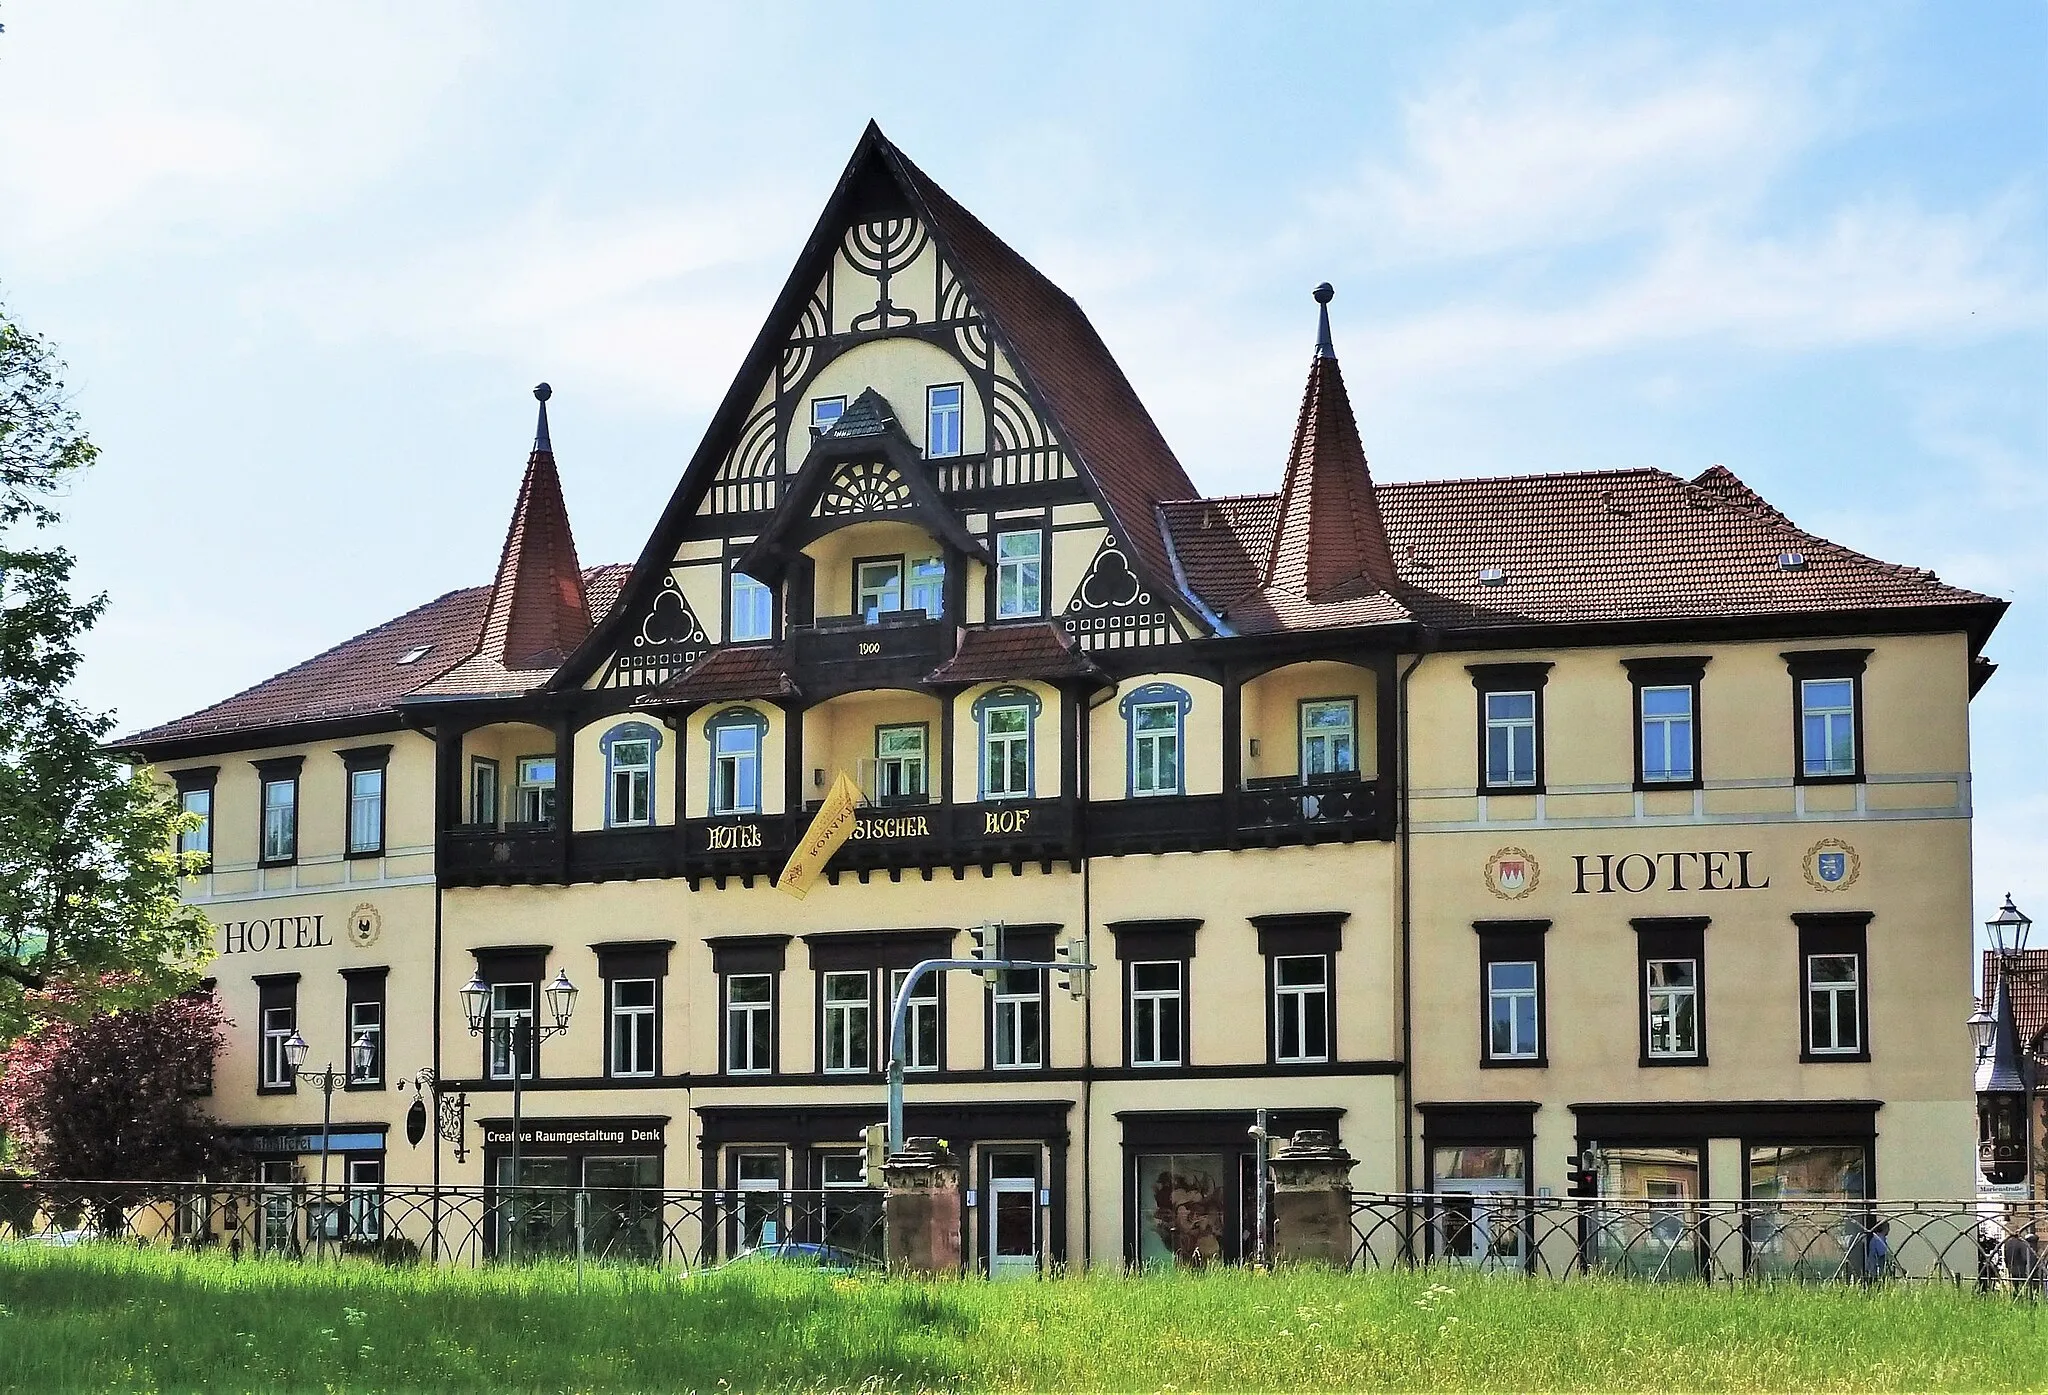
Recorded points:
90,915
116,1094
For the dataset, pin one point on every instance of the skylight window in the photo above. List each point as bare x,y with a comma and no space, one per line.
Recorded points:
413,656
1492,576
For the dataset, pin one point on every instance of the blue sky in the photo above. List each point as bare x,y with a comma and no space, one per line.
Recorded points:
306,261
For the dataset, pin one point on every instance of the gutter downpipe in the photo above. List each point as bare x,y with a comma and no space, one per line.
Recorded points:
1426,644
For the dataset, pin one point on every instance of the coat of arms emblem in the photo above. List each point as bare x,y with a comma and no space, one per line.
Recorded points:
364,925
1831,865
1512,873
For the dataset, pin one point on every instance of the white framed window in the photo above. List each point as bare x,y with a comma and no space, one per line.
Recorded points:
926,589
1827,725
900,764
847,1022
1156,1013
1510,739
1834,1006
1018,557
878,587
511,1030
736,768
366,810
826,411
749,1024
631,782
483,791
942,413
1671,988
1155,748
1006,752
364,1180
536,789
920,1020
1511,1010
1667,733
199,804
753,610
1329,737
281,819
278,1023
1301,1008
366,1023
632,1026
1019,1025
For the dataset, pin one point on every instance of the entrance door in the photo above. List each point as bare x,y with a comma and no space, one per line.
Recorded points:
1481,1222
279,1232
1013,1216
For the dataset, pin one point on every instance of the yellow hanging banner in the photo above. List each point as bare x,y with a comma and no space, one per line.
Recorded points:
832,827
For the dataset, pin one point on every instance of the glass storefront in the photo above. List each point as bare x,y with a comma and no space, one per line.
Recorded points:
1652,1228
1481,1216
1795,1232
1184,1208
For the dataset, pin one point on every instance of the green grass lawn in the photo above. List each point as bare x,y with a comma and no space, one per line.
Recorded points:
106,1317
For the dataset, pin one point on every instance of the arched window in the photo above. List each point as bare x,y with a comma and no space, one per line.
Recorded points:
1155,716
1005,718
736,735
629,774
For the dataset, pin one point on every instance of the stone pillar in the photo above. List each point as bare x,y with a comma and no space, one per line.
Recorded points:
1311,1175
921,1217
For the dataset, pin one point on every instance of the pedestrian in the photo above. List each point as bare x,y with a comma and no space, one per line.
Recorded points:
2020,1261
1877,1251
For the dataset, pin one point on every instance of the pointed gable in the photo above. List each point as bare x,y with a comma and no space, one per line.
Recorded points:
1329,540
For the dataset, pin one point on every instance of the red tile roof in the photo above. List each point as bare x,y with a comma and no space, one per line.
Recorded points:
726,675
2028,986
1033,650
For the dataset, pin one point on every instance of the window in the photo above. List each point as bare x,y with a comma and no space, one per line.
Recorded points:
537,789
1511,992
1510,726
899,764
750,1024
1019,1026
735,736
280,804
753,609
1667,699
1329,738
1834,997
1155,1014
1788,1235
826,411
1153,716
365,1008
198,803
1828,692
1301,1008
365,1185
1017,569
942,410
483,791
629,774
1005,717
511,1031
1671,987
366,811
847,1034
927,586
920,1020
632,1027
277,1017
878,587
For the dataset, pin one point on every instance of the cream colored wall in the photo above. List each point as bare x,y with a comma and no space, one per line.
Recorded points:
697,757
840,733
1272,715
1072,551
589,774
1045,742
506,743
1201,738
900,370
834,555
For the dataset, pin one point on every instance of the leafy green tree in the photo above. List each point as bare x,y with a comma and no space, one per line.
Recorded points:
90,917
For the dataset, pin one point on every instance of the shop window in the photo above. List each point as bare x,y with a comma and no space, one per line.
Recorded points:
1479,1216
279,781
1828,713
753,610
277,998
1511,976
1654,1232
1789,1237
852,1219
536,792
364,1004
364,817
942,413
1018,558
1329,738
1834,988
1005,718
1154,716
629,774
1183,1208
1510,726
736,736
483,792
758,1179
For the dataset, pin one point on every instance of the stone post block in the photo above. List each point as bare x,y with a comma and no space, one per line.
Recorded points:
922,1215
1311,1175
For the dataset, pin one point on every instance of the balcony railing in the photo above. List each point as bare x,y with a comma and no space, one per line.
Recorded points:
844,653
484,854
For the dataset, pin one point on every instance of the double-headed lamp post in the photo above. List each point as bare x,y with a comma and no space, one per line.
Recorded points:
362,1059
2005,1076
521,1035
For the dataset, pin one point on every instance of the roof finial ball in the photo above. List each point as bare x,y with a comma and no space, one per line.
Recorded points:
542,393
1323,294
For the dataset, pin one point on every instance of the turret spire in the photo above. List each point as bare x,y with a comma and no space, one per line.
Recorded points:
538,610
1324,348
540,431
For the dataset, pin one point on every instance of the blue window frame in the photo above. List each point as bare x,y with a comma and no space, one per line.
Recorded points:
1005,720
736,737
1155,722
942,409
629,774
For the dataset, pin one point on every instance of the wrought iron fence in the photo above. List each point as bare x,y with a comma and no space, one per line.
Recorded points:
1990,1244
449,1225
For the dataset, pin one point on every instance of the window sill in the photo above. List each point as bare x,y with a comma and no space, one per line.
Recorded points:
1485,790
1855,779
1652,786
1155,1065
277,1089
1667,1062
362,854
267,866
1514,1063
1829,1058
363,1087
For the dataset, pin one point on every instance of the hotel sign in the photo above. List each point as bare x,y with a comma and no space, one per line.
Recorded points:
1513,873
278,932
968,825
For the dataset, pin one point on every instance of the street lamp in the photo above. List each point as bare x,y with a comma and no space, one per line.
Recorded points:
2009,930
362,1059
521,1035
2005,1073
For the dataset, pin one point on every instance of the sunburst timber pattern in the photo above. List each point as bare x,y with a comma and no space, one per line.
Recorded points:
667,640
1112,609
864,486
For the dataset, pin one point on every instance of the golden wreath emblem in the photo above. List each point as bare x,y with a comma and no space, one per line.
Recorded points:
365,924
1832,865
1512,873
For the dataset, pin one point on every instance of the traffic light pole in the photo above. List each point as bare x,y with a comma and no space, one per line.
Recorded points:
900,1012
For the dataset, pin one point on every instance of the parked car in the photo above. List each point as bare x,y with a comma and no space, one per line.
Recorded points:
827,1258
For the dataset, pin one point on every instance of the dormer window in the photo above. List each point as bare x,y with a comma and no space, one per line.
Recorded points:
825,412
414,655
942,410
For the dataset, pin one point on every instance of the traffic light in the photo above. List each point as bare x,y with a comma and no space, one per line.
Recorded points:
988,944
1073,956
875,1139
1584,1179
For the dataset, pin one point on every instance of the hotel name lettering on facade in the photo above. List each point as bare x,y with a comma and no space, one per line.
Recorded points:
1604,873
278,932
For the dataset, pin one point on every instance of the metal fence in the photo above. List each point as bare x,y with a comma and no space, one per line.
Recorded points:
448,1225
1990,1244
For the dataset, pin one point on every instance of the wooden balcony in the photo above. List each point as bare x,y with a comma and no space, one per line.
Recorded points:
841,654
485,855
